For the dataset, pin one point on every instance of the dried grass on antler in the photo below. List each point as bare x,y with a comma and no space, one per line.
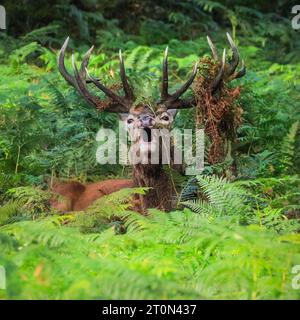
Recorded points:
217,112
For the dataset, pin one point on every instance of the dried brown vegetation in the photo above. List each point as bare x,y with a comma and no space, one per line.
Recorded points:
218,114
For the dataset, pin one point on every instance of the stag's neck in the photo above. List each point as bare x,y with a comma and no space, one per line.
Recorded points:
161,190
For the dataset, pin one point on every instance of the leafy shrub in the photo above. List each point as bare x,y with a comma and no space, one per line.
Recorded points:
33,201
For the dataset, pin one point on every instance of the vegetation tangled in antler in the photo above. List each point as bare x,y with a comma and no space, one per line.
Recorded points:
219,115
218,111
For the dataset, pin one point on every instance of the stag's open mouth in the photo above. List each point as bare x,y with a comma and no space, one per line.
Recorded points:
147,135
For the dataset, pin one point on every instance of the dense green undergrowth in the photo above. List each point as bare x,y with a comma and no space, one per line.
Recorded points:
226,240
225,247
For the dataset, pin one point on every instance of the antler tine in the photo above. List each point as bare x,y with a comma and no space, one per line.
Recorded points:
165,77
94,100
78,81
127,89
220,74
82,88
222,62
61,64
213,49
235,56
186,85
173,101
240,73
85,60
229,72
107,91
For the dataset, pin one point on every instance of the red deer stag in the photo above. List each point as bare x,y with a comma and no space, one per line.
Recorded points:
145,117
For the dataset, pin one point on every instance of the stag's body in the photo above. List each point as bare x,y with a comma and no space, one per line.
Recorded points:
78,196
145,117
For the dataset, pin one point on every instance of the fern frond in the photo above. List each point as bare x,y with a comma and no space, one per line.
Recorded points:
218,197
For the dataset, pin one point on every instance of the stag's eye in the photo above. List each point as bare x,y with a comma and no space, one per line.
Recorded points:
165,118
129,121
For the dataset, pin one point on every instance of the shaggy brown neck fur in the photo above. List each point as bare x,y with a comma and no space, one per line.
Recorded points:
161,190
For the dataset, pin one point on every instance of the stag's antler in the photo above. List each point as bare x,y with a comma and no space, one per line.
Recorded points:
117,103
173,101
227,72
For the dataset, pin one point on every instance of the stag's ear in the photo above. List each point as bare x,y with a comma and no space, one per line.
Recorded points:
172,112
123,116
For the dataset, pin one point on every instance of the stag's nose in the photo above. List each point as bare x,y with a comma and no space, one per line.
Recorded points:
146,121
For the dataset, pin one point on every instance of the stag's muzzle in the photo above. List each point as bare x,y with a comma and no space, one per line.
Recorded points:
146,121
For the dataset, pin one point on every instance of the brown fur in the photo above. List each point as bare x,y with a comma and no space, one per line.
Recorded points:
161,188
78,196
